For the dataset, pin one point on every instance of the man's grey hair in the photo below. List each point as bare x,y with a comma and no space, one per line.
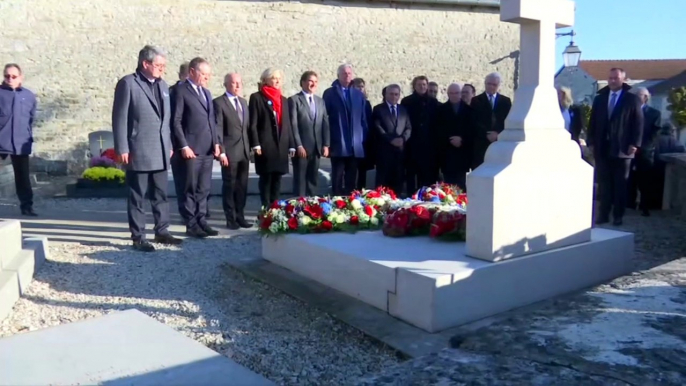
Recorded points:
342,67
458,85
640,90
148,54
494,76
395,86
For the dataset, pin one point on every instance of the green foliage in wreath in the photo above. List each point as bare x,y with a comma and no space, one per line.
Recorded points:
103,174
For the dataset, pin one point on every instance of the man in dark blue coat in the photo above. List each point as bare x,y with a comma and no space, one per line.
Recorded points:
17,113
348,125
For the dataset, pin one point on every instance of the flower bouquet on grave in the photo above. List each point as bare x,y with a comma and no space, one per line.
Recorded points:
440,193
449,223
410,220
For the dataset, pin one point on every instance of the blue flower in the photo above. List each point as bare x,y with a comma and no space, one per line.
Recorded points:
282,202
326,208
435,199
362,201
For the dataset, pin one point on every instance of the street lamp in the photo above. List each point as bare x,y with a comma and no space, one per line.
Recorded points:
572,53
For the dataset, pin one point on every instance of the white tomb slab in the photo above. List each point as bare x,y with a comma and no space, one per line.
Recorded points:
253,178
122,348
434,285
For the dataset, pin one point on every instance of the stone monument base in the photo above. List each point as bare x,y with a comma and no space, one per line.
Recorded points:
433,285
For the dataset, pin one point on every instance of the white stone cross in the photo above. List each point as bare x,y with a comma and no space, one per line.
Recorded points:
536,105
533,192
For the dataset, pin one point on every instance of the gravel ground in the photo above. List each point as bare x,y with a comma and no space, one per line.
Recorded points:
194,290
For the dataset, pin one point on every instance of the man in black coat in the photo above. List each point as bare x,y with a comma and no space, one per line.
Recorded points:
490,110
615,133
310,129
392,129
178,178
195,139
233,121
641,176
454,125
421,155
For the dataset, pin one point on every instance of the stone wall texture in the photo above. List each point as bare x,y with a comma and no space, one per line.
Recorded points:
73,52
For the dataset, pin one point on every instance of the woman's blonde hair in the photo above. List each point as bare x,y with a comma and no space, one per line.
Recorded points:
568,100
269,74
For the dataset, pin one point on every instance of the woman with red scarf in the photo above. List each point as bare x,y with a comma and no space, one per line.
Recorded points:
270,134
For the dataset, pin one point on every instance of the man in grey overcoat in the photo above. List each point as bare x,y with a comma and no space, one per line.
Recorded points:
140,123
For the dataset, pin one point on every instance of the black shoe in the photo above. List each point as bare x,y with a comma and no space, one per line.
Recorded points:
143,246
243,224
196,233
210,232
617,222
207,215
645,213
167,239
28,212
232,225
602,220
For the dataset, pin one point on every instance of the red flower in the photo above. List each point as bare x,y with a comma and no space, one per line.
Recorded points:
266,222
109,153
340,204
322,200
373,194
293,223
327,225
314,211
275,205
462,198
289,209
354,220
368,210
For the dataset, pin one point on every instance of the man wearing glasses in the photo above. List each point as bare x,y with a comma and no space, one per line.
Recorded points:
141,114
17,112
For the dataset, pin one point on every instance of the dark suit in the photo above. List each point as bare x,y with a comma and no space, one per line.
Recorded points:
140,124
232,127
175,164
311,132
611,136
274,142
455,120
194,126
421,151
576,124
641,176
390,158
487,118
369,161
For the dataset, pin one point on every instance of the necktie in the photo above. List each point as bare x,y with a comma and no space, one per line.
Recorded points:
238,109
312,110
491,99
202,96
394,115
613,101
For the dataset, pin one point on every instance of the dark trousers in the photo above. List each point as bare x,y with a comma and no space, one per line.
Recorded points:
420,174
197,181
151,185
390,169
613,174
270,187
362,177
177,173
343,175
305,175
235,189
22,180
642,178
458,178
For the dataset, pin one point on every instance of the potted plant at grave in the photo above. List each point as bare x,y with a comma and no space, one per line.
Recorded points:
99,177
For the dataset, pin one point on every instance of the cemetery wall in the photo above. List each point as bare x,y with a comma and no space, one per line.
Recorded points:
73,52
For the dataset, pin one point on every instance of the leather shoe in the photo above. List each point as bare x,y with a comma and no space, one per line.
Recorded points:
28,212
143,246
243,224
210,232
196,233
232,225
167,239
617,222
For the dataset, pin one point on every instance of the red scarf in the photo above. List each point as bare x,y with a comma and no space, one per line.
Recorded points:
274,95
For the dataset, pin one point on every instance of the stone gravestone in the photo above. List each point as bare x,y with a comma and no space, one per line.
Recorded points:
99,141
533,192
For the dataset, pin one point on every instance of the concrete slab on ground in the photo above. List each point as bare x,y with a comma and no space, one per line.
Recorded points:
253,181
433,285
122,348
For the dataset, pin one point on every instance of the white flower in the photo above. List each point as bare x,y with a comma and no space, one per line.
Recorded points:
356,204
364,218
374,221
274,227
306,220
